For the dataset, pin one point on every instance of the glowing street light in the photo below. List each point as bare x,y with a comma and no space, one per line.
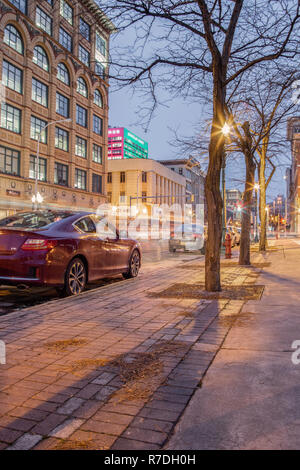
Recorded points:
226,129
37,198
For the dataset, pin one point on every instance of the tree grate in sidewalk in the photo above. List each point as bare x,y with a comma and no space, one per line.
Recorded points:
197,291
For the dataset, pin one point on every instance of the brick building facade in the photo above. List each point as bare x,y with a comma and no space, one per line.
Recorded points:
293,175
53,59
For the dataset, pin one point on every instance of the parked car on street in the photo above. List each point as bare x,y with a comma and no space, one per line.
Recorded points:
186,237
64,249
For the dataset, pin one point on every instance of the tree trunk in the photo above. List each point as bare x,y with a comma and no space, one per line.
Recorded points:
244,258
212,186
262,202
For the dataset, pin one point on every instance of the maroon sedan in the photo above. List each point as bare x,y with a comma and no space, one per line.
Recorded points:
63,249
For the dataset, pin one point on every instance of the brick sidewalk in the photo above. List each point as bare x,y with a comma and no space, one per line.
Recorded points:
76,396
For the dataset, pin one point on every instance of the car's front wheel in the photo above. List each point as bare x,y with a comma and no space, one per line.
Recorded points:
134,265
75,279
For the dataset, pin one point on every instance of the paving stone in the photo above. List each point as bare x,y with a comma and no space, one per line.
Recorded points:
129,444
25,442
51,422
9,435
88,391
88,409
49,443
145,435
105,392
70,406
166,405
67,428
115,418
154,425
97,441
104,378
104,427
163,415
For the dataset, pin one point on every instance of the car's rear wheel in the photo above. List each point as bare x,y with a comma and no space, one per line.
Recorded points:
75,279
134,265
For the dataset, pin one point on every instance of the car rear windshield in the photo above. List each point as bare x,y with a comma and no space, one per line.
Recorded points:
33,220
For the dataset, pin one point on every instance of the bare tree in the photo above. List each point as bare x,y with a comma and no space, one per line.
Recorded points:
273,105
197,46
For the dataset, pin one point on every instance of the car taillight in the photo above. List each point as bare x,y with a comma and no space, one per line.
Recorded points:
33,244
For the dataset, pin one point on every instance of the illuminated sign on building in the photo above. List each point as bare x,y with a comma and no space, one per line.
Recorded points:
123,144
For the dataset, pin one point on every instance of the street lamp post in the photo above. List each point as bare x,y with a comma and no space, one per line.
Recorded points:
256,188
37,198
226,133
286,198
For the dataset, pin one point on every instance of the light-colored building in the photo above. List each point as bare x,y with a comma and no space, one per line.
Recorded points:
148,179
190,168
53,64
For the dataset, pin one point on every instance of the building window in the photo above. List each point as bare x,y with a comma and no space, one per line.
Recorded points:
97,153
97,184
84,55
122,177
109,177
36,129
144,197
9,161
10,118
81,147
61,174
61,139
109,197
100,69
82,87
12,77
40,58
63,74
43,20
65,39
62,105
144,177
13,39
97,125
122,197
39,92
66,11
42,171
98,99
100,44
80,179
81,116
84,29
20,4
180,171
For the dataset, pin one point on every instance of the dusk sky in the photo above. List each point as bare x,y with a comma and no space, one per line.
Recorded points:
182,116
